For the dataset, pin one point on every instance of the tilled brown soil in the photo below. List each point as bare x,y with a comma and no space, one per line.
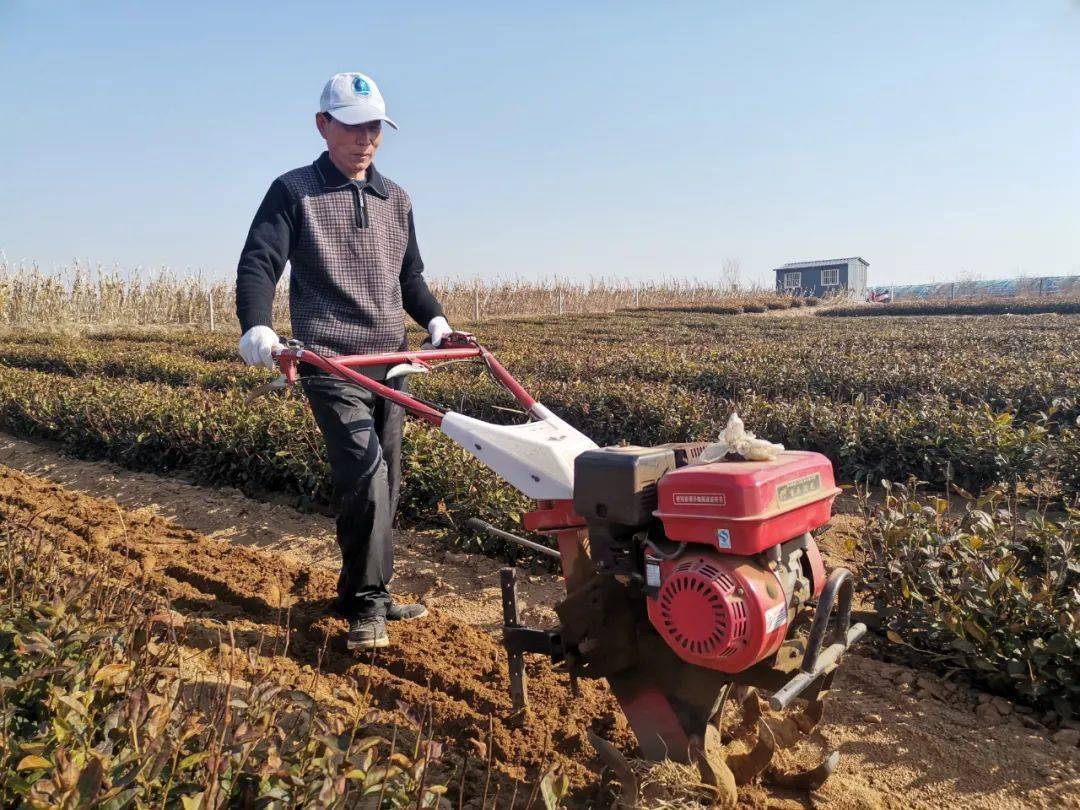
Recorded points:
907,739
455,670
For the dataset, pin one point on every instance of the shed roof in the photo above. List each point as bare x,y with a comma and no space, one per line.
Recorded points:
820,263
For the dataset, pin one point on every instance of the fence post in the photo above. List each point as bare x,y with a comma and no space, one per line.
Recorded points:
560,301
476,303
210,304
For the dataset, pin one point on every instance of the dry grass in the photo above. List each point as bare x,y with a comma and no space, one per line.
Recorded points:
476,300
670,785
85,295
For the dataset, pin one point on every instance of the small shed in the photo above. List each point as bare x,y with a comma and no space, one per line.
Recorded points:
825,277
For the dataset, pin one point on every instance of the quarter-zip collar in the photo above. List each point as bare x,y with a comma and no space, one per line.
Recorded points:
332,177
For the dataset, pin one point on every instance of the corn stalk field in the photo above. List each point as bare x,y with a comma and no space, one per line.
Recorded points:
84,295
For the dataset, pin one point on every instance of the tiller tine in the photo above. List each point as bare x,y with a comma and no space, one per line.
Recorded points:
805,780
629,788
746,767
751,713
519,640
708,753
809,718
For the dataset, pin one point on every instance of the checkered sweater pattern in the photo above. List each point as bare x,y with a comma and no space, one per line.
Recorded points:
344,289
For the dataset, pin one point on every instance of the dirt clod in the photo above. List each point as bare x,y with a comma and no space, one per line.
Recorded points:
1003,706
1067,737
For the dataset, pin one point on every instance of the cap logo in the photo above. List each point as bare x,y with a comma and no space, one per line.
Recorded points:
361,87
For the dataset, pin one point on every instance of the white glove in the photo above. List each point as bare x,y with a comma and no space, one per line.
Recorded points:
438,328
257,346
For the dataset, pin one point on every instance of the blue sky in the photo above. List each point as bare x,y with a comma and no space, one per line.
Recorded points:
631,140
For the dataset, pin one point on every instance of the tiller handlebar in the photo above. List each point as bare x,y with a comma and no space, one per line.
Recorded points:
456,346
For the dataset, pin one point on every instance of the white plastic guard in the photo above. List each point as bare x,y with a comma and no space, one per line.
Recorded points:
536,458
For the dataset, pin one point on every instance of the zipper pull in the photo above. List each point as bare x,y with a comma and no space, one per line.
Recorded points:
361,209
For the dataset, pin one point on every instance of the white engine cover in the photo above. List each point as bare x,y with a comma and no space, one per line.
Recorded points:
536,458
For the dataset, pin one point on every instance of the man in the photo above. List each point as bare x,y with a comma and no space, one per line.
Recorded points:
348,233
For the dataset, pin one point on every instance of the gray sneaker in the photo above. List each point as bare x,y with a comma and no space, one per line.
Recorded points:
405,613
368,634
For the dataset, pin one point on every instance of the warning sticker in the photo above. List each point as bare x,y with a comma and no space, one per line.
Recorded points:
723,538
652,574
775,617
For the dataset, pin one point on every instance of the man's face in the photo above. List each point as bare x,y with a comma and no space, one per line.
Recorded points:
352,147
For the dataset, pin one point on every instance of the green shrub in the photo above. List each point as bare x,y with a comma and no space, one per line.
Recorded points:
1023,367
1067,463
269,445
986,590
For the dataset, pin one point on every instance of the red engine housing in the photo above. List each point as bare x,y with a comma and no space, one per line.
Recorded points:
718,611
728,606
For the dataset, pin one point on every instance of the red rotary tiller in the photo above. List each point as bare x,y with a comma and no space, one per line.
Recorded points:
683,578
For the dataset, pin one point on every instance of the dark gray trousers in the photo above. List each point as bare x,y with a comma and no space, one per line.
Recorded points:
363,444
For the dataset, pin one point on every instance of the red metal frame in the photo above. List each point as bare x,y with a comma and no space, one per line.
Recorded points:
559,520
458,346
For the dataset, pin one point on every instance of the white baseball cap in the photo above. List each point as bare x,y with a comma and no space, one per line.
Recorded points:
353,98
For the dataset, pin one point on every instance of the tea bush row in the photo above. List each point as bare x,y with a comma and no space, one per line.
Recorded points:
1024,368
269,445
986,590
272,444
976,306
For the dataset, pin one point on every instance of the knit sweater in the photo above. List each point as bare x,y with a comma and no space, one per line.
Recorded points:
353,255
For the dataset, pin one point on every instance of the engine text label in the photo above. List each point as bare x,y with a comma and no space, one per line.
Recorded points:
796,489
700,498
